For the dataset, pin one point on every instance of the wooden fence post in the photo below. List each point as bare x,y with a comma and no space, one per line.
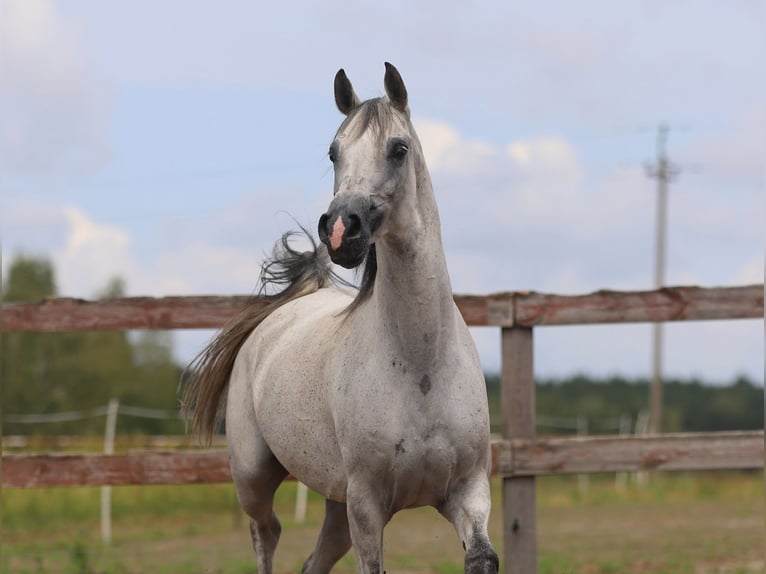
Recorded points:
106,491
517,396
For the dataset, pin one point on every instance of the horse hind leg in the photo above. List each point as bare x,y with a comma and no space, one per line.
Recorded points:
256,473
334,540
467,508
255,492
255,470
265,536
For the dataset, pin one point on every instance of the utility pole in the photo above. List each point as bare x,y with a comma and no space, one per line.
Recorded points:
664,172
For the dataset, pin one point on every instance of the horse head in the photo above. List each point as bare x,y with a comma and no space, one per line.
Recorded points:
375,156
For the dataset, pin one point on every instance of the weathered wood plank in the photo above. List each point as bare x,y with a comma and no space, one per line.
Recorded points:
63,314
517,401
42,470
667,452
667,304
500,309
517,457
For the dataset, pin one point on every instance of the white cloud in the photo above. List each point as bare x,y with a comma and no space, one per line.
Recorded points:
522,215
53,111
220,255
529,205
203,268
95,252
85,235
543,154
751,273
445,150
436,139
85,253
92,254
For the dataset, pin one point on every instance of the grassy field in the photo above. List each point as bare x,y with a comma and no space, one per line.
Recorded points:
702,523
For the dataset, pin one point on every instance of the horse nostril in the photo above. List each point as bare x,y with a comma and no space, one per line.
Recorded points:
322,228
354,229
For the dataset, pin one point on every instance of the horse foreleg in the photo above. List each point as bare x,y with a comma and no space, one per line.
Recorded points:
366,520
467,508
334,540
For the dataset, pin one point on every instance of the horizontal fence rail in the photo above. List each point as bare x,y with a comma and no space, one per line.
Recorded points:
514,457
521,308
84,442
593,454
182,467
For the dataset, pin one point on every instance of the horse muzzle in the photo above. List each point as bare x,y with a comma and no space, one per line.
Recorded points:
347,227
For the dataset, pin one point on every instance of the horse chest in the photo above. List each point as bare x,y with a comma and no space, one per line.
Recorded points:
421,463
412,438
422,407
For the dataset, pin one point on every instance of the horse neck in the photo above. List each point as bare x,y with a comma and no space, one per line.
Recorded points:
412,296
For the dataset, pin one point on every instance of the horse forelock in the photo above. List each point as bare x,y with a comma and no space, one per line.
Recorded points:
375,115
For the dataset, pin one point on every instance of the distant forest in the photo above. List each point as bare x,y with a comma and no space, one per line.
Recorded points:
66,372
688,405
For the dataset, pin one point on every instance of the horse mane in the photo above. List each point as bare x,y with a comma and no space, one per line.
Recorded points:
297,274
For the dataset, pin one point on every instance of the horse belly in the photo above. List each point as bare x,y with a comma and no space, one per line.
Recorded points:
302,439
311,455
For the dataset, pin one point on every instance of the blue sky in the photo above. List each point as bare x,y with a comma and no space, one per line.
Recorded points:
168,142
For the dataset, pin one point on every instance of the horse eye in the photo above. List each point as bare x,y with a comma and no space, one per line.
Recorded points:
398,150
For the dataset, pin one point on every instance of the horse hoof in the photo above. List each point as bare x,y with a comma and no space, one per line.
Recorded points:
481,560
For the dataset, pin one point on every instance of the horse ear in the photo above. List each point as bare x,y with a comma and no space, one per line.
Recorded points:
345,98
395,90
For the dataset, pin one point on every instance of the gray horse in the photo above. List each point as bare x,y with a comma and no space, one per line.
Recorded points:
373,398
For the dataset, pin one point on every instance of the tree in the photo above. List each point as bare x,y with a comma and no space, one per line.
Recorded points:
27,357
54,372
29,279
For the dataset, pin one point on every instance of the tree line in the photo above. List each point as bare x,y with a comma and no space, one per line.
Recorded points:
689,405
75,371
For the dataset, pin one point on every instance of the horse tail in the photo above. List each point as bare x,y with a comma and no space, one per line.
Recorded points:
207,376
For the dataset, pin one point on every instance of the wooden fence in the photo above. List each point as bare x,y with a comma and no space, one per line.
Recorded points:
518,457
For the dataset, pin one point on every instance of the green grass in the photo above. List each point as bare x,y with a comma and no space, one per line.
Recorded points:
677,523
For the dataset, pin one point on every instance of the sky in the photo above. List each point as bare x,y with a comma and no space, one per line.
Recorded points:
171,143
